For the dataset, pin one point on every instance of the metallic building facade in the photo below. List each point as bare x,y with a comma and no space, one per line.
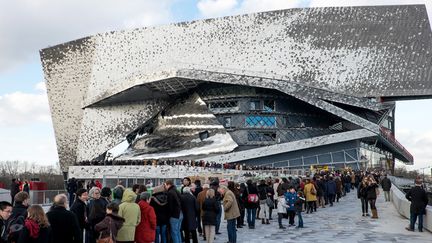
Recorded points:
267,87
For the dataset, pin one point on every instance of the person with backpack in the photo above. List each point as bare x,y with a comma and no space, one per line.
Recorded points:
36,227
5,213
19,214
250,197
111,224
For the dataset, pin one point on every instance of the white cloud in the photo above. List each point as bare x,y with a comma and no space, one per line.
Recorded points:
18,108
41,87
27,26
418,143
215,8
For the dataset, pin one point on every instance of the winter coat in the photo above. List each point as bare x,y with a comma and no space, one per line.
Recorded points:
146,229
14,188
291,198
230,205
19,210
251,189
362,191
109,225
331,187
307,192
72,186
159,201
338,185
210,209
371,192
198,189
3,235
96,209
79,208
200,199
263,190
282,206
174,202
386,184
44,235
320,188
419,200
130,211
64,225
299,204
190,209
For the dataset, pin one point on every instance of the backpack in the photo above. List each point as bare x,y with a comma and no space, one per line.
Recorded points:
14,228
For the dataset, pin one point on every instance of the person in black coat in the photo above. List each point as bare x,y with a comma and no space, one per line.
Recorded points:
159,201
72,188
251,207
362,195
96,209
174,206
64,224
419,200
19,214
14,189
210,209
331,190
190,210
79,208
386,185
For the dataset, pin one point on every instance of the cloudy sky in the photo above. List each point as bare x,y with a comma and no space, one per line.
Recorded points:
26,26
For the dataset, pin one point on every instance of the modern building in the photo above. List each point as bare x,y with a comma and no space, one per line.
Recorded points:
289,88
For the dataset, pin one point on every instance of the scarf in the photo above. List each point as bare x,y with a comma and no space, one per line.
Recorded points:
33,228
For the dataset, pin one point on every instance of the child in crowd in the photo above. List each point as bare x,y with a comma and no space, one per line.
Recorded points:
299,208
282,209
291,198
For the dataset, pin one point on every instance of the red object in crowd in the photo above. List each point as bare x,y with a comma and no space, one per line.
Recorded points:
146,229
38,186
98,184
2,185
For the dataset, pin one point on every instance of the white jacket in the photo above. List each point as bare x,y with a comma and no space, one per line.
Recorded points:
282,206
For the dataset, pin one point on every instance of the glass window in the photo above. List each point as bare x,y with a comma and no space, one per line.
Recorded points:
255,105
269,105
262,136
223,104
260,121
227,121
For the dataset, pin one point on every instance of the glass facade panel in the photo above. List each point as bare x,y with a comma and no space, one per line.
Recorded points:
269,105
260,121
255,105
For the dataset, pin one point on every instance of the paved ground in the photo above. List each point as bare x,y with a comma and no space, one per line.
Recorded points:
341,223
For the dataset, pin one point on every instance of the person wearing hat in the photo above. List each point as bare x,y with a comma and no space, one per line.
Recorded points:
146,230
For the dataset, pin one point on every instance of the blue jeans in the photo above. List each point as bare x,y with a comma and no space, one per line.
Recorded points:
161,230
176,229
251,214
300,219
413,219
231,228
218,218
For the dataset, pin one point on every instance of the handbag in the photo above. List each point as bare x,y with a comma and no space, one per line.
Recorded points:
269,201
107,239
252,198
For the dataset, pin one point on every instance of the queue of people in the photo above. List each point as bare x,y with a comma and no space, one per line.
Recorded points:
171,214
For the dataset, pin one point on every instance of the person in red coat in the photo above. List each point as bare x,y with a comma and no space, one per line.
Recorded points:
146,230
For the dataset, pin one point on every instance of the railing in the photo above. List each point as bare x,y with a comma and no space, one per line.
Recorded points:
389,135
44,197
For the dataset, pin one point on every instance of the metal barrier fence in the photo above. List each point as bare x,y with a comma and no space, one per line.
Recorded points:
44,197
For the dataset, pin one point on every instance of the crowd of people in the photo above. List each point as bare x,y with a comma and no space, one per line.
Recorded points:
193,210
173,162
